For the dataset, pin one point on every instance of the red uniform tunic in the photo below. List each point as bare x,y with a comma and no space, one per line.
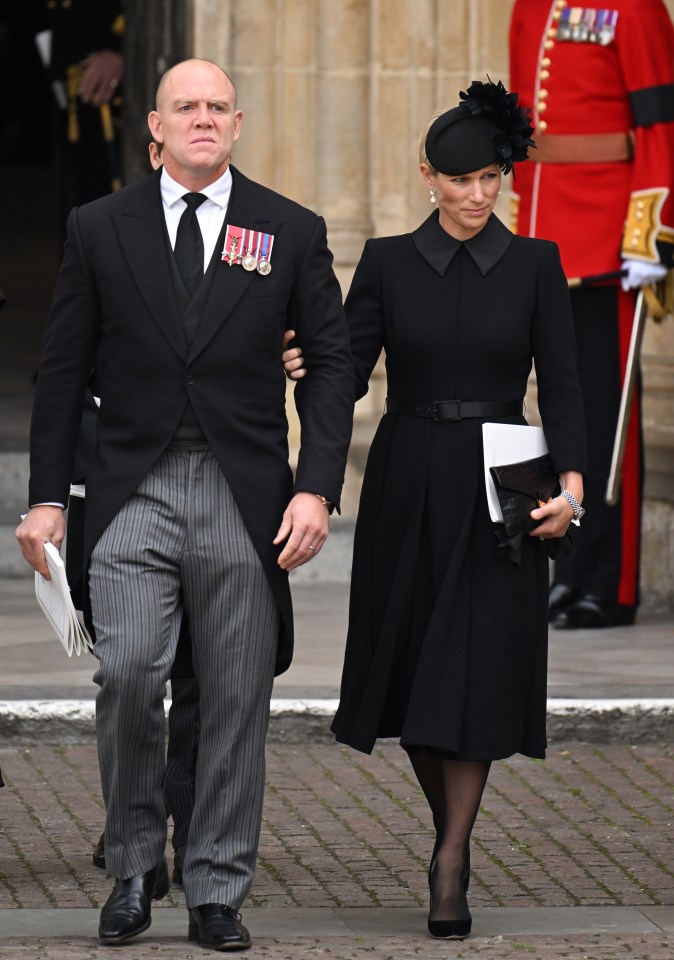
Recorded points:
579,88
600,85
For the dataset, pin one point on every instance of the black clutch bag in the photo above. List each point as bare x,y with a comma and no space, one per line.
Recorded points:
520,488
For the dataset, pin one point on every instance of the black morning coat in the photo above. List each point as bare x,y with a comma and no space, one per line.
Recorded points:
447,643
114,310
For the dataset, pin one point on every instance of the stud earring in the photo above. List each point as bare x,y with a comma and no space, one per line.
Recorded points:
431,191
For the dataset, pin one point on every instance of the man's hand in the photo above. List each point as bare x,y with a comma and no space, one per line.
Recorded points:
293,364
103,72
305,527
42,525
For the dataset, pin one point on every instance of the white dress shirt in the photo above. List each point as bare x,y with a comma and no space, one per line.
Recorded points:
210,214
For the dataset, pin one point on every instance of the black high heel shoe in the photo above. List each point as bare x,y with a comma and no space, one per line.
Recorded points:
451,929
457,929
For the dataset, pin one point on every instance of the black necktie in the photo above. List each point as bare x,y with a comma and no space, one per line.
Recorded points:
189,248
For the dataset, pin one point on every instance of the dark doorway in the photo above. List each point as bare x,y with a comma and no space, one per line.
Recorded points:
155,35
28,251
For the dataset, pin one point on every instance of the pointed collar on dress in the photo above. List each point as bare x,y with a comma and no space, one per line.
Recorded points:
438,248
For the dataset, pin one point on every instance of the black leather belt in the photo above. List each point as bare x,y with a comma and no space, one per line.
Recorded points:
454,409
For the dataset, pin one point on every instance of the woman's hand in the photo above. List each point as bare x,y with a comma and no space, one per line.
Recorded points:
293,364
556,515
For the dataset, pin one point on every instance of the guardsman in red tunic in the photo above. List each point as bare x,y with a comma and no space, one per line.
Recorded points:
600,85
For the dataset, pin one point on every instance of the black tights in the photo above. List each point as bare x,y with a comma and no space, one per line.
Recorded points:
454,790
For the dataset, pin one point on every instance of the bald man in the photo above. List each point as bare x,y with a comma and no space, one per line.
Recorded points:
178,289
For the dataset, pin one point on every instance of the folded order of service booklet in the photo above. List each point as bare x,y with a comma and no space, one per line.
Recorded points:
504,443
54,598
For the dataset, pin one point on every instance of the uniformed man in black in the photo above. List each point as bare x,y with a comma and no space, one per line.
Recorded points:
86,67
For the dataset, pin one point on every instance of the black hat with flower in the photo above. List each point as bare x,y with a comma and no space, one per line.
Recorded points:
487,127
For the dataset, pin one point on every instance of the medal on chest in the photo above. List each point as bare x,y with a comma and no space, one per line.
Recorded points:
250,249
587,25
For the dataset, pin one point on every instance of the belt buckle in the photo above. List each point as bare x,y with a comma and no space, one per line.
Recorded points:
438,404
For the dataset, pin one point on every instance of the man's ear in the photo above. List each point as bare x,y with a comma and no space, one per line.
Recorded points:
154,123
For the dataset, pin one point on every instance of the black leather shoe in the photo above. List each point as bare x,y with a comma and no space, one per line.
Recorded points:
127,910
594,613
98,858
216,926
178,860
561,597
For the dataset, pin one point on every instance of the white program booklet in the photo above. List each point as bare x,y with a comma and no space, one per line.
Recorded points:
54,598
508,443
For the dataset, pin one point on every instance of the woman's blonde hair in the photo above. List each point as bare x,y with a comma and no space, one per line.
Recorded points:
422,143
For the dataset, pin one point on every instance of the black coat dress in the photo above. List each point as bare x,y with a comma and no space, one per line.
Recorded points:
447,642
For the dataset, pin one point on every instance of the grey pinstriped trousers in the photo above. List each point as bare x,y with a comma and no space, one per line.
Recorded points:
180,540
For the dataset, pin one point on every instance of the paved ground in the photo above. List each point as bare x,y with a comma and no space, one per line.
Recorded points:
572,857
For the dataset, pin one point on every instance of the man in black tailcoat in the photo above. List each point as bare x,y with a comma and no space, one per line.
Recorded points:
191,502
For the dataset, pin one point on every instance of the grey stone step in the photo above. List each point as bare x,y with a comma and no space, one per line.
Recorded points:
633,721
366,924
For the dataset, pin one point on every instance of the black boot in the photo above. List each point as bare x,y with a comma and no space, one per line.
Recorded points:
595,613
561,597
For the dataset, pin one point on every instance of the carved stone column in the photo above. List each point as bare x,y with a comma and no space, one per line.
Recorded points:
212,25
296,103
342,143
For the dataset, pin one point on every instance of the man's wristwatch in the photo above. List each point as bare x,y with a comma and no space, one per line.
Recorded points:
578,510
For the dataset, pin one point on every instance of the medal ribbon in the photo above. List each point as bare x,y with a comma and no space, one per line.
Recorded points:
233,234
248,242
267,244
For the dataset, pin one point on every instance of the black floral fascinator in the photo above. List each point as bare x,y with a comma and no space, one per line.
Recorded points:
509,124
487,127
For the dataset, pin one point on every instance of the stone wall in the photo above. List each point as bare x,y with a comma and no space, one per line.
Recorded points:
335,96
